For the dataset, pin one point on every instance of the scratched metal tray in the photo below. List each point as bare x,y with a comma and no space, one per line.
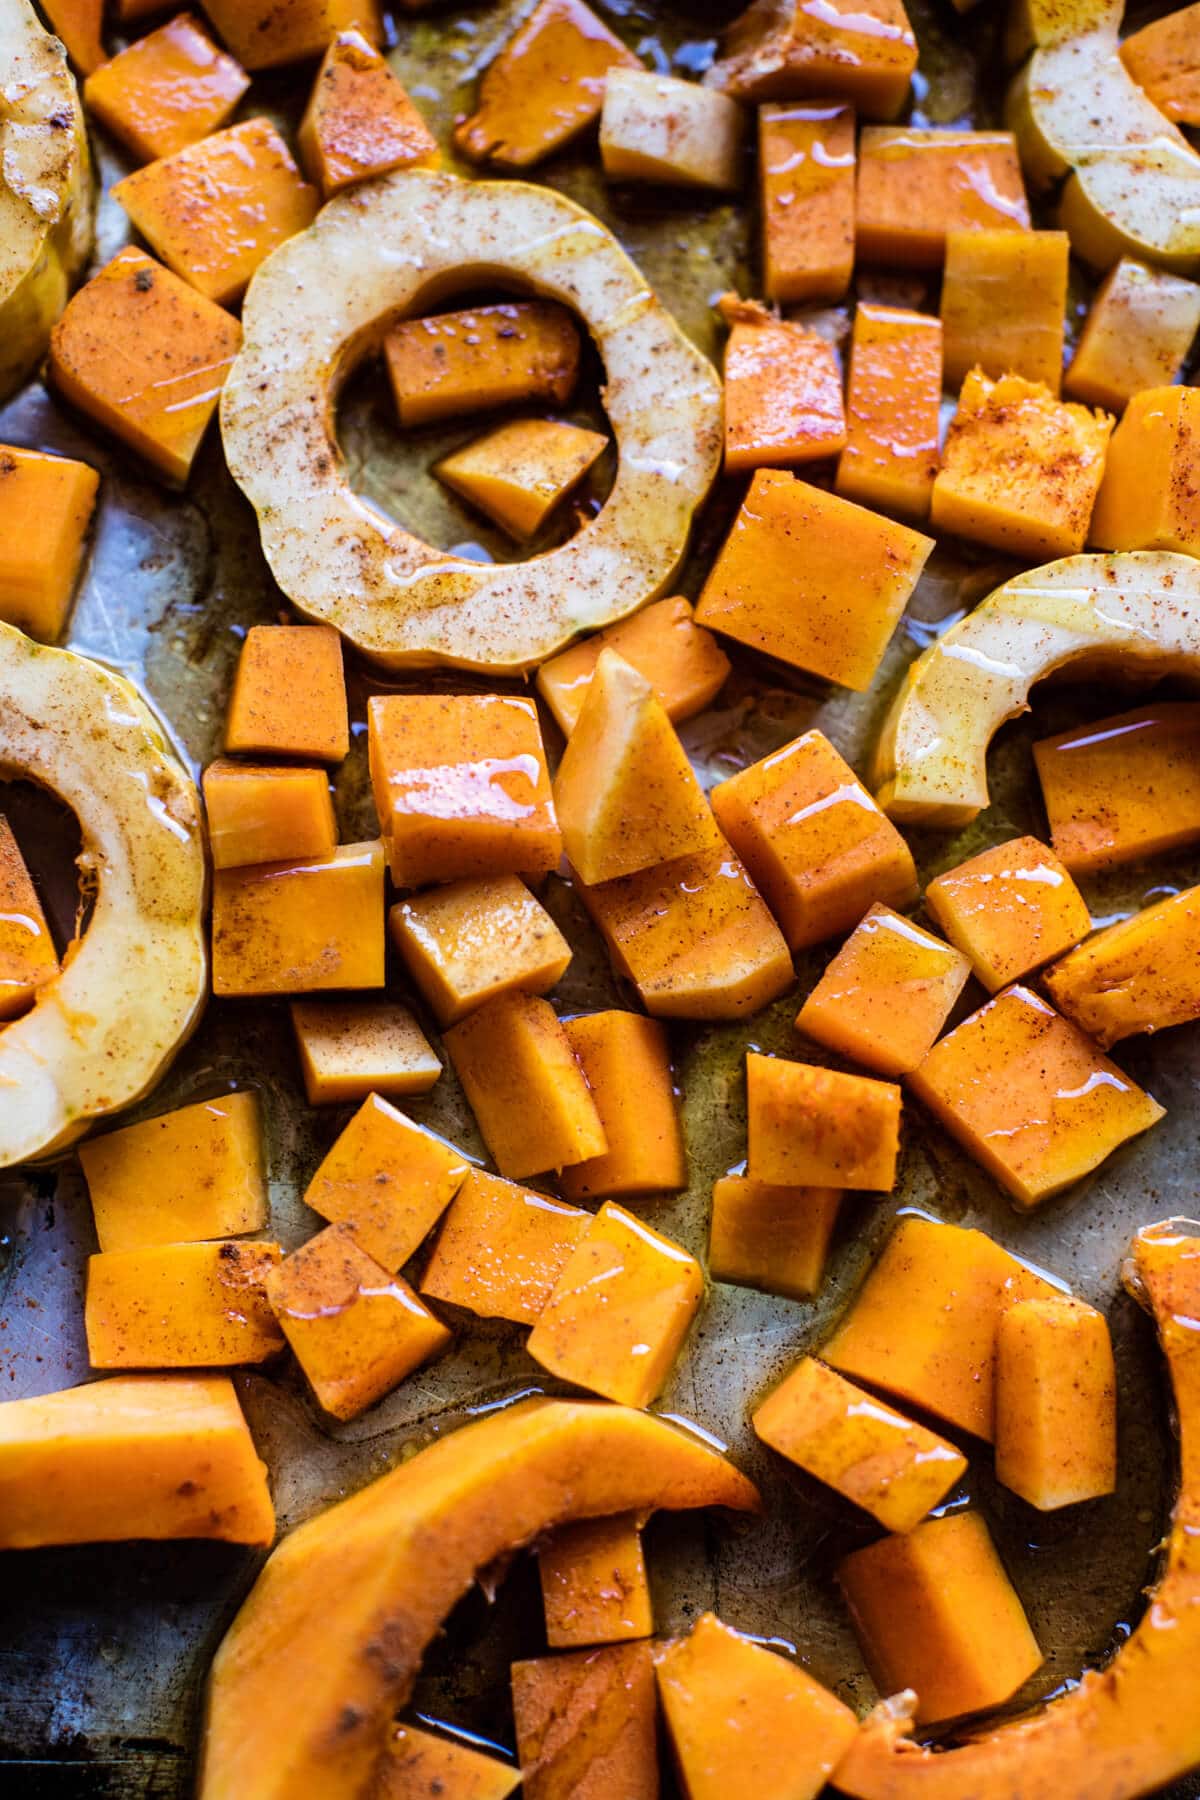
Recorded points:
103,1651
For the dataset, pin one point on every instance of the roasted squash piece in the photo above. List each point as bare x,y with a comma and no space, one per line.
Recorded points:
1148,497
28,958
166,90
518,473
587,1725
811,1127
1004,302
46,505
1161,57
1009,910
659,128
1137,335
626,1060
501,1248
388,1179
893,402
277,663
264,33
1141,974
783,391
915,186
352,1048
863,51
417,1765
469,940
1123,788
683,663
1056,1403
297,927
359,121
775,1238
806,198
462,362
594,1586
180,1306
259,814
77,23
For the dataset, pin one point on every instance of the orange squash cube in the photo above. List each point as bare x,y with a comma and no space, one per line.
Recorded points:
167,90
501,1248
180,1306
184,1176
359,121
627,1063
1137,335
28,959
259,814
594,1586
1010,909
683,663
811,1127
352,1048
1004,303
1148,497
470,940
1141,974
1124,788
783,391
145,357
1056,1403
886,995
77,23
656,127
1161,58
277,663
46,506
934,1611
298,927
216,209
812,579
1029,1097
520,472
461,787
388,1180
775,1238
587,1725
893,402
893,1468
916,186
262,34
863,51
814,840
415,1765
806,198
463,362
620,1310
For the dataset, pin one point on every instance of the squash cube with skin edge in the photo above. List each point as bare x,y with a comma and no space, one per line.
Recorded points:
1010,909
466,362
28,959
657,128
620,1310
300,927
359,121
500,1249
1123,788
262,34
260,814
1141,974
1137,335
783,391
1161,58
683,663
812,579
812,1127
916,186
1004,302
893,405
180,1306
350,1049
416,1765
587,1724
1148,500
1056,1403
769,1237
46,506
806,200
470,940
594,1586
863,51
167,90
520,472
277,664
627,1063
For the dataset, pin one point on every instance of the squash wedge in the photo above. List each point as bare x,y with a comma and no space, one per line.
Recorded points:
329,1641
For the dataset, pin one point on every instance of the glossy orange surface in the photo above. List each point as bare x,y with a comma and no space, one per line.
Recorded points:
1162,59
783,393
1141,974
813,1127
587,1725
1009,910
46,506
863,51
352,1048
806,196
28,958
1148,499
262,34
501,1248
775,1238
1056,1403
626,1060
1004,301
166,90
452,363
683,663
417,1765
519,473
277,663
893,400
466,941
359,121
259,814
180,1306
1125,787
299,927
914,186
1137,334
594,1585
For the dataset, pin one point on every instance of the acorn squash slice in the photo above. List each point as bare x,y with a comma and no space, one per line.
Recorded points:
325,299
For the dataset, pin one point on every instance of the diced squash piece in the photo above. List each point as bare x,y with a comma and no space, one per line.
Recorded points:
180,1306
770,1237
915,186
923,1325
806,198
417,1765
262,34
298,927
935,1611
131,11
359,121
387,1179
627,1062
814,840
27,955
518,473
195,1173
1020,470
587,1725
658,128
1162,59
683,663
1010,909
529,1095
1142,974
893,401
352,1048
461,786
463,362
783,391
1004,302
812,579
893,1468
277,664
1151,480
812,1127
594,1585
259,814
546,86
1029,1097
863,51
167,90
1137,335
138,1456
625,794
1124,788
694,937
467,941
620,1310
46,506
886,995
1056,1403
145,356
501,1248
78,23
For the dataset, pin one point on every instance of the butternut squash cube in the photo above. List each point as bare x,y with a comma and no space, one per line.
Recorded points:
28,959
501,1248
893,1468
145,357
467,941
1148,498
167,90
886,995
625,793
416,1765
216,209
277,663
461,787
1161,58
775,1238
1137,335
587,1725
1020,470
352,1048
683,663
463,362
259,814
359,120
180,1306
814,840
620,1310
627,1063
812,579
355,1329
520,472
1004,303
863,51
594,1586
195,1173
893,402
262,34
138,1456
915,186
811,1127
46,506
388,1180
806,200
657,128
1124,788
530,1098
1142,974
935,1611
783,391
1056,1403
1010,909
298,927
1029,1097
78,23
546,86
